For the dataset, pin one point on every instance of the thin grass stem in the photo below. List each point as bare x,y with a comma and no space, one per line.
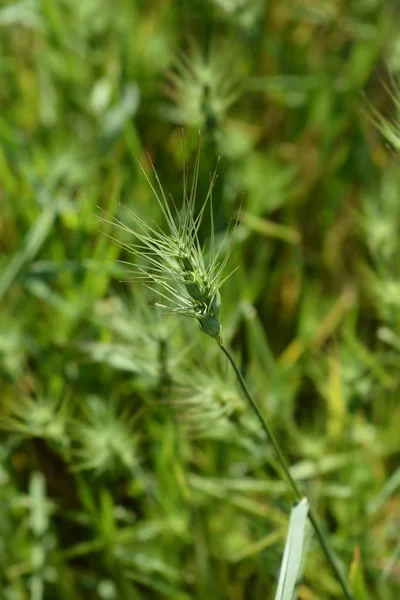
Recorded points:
329,553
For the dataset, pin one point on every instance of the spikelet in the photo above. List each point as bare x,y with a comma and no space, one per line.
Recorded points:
173,263
389,128
202,88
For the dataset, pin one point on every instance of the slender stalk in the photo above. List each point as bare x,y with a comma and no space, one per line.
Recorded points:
331,558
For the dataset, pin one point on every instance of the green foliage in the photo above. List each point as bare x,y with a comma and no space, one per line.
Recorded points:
294,554
130,465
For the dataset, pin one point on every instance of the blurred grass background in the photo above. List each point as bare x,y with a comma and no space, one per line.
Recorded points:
130,466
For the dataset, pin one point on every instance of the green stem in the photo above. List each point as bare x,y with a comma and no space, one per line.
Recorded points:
332,559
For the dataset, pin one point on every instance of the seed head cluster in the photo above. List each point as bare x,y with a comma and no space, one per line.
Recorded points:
173,262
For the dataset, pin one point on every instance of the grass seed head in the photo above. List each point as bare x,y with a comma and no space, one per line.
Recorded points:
42,417
206,400
106,441
173,263
203,88
390,127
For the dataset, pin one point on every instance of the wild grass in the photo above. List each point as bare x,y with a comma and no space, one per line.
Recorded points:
130,465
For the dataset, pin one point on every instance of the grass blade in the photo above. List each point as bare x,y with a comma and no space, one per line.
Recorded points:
292,562
29,248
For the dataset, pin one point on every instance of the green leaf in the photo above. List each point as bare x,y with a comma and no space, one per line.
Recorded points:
39,511
356,577
292,562
30,246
